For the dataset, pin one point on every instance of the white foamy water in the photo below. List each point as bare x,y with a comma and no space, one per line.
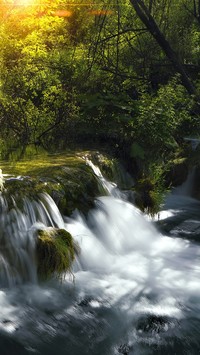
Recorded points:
136,291
18,235
124,255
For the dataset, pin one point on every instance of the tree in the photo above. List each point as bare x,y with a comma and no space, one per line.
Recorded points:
36,95
144,13
194,8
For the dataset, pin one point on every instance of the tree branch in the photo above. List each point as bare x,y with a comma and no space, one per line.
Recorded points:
145,16
122,33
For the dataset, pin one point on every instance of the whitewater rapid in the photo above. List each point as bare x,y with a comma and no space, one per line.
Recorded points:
135,290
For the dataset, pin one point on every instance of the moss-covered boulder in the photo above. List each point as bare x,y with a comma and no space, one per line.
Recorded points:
55,252
65,177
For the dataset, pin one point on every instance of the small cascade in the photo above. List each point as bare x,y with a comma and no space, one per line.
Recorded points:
181,211
135,291
18,236
150,280
107,187
193,141
1,180
186,188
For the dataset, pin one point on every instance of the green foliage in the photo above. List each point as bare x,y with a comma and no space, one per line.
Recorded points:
150,188
34,94
97,76
160,116
137,151
55,251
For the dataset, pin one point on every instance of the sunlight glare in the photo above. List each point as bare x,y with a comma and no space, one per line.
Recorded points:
25,3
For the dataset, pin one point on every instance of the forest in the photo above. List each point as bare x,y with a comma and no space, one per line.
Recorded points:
99,177
120,75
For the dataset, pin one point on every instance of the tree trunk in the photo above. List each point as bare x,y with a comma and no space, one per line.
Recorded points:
145,16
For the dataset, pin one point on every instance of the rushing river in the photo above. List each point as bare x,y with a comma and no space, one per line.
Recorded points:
136,286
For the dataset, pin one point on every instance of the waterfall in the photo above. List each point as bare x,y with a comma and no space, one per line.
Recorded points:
18,236
187,187
107,187
135,291
1,180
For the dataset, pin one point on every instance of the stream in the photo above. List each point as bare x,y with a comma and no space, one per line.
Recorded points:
136,283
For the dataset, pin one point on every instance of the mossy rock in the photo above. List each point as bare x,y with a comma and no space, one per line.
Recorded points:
15,190
148,196
55,252
80,187
67,179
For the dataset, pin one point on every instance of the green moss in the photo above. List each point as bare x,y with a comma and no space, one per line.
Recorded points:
41,164
65,177
55,251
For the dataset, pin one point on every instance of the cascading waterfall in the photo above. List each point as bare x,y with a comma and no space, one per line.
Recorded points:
107,186
18,236
136,291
